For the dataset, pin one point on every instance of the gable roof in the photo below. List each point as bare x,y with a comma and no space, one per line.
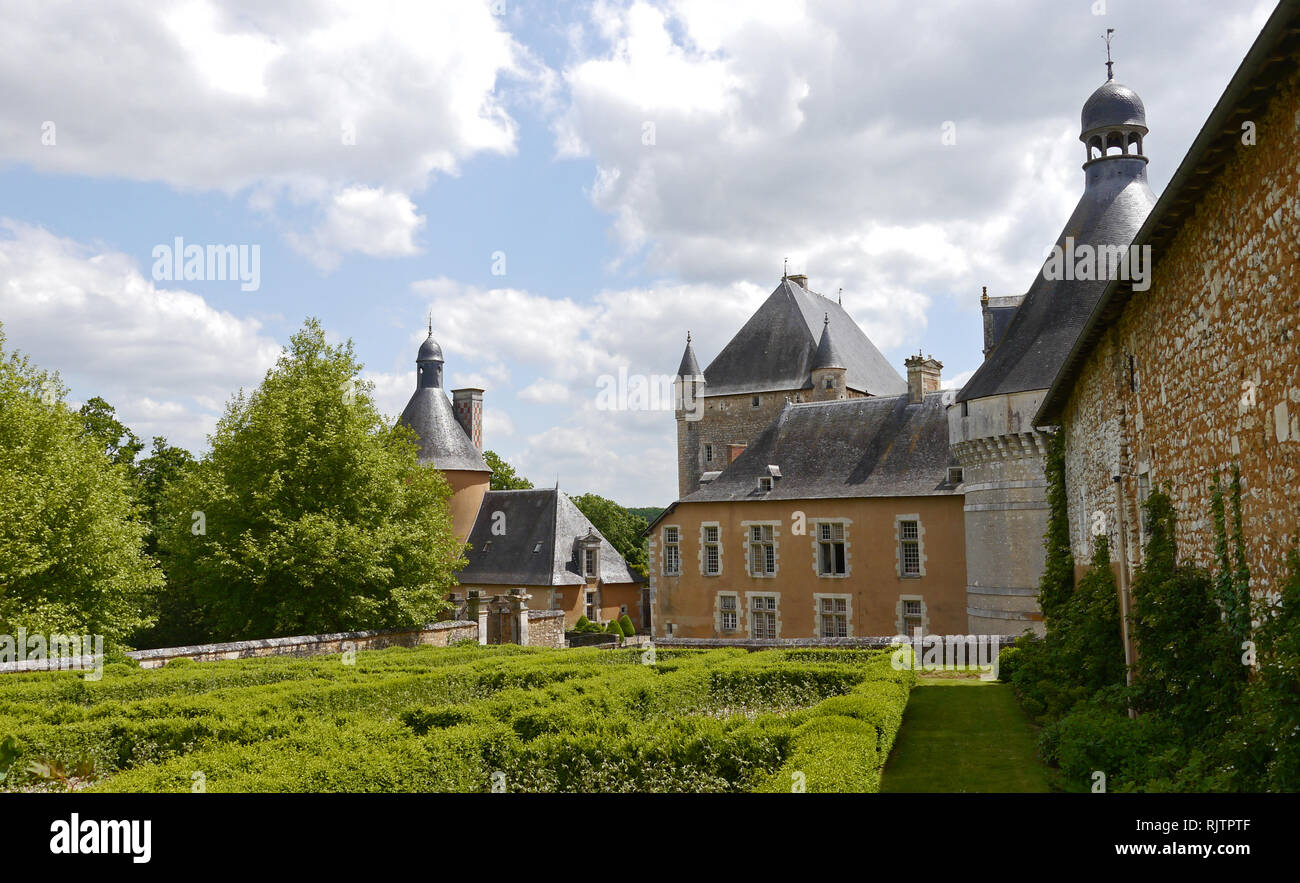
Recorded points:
443,442
862,447
1272,56
544,520
776,348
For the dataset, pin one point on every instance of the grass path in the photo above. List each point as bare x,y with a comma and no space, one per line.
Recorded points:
964,735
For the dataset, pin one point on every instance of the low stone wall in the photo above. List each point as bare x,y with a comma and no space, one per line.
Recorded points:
873,643
438,634
546,628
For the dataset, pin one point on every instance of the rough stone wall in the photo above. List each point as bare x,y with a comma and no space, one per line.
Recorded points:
546,628
727,420
438,634
1215,349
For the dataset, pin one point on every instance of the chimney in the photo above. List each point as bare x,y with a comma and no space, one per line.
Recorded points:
734,451
800,279
467,405
922,377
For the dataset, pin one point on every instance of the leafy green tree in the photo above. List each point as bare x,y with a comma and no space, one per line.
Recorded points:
1272,702
71,543
310,514
621,527
1058,575
99,420
504,476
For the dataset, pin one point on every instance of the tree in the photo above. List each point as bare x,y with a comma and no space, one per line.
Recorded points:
622,528
99,421
71,543
310,513
1058,574
504,476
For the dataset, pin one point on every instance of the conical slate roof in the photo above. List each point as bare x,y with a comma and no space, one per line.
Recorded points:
776,348
689,366
443,442
827,355
1116,200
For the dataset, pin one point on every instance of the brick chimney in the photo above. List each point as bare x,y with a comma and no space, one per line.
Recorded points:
467,405
734,451
922,377
800,279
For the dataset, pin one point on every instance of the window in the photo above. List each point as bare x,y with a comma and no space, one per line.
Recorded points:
755,401
593,613
708,453
762,612
765,483
712,550
830,550
830,382
672,551
913,616
834,614
955,475
762,550
727,613
537,548
487,547
589,562
909,551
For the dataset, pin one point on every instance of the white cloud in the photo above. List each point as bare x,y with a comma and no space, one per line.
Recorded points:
545,392
163,357
364,220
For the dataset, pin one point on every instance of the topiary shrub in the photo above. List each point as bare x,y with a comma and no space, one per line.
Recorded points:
613,628
625,623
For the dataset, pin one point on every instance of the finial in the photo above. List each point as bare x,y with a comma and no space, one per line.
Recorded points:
785,267
1110,69
826,319
840,297
431,323
984,298
688,338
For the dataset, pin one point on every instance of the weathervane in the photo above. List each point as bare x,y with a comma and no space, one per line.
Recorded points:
1110,70
431,323
785,267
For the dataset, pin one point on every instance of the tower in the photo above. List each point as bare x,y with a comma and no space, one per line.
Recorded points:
991,422
828,368
445,443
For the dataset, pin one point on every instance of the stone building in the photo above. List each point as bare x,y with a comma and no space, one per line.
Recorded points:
840,518
992,425
539,541
536,541
781,353
450,435
1168,386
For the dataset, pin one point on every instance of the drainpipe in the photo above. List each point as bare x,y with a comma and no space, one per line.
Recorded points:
1123,588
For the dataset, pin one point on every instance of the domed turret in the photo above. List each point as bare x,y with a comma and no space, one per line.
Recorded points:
1113,122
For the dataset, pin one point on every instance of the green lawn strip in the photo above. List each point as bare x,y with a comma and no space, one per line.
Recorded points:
964,735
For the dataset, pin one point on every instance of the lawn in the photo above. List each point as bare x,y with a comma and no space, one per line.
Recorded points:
461,719
964,735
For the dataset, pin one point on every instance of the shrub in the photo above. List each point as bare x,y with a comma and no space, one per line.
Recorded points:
625,623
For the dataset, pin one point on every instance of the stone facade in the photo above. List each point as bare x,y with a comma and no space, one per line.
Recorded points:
1005,510
1203,370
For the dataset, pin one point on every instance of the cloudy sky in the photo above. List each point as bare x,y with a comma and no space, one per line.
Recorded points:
568,186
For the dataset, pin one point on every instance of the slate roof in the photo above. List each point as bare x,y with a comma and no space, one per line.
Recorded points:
827,354
776,348
1000,318
1270,60
443,441
545,520
689,366
1113,104
863,447
1116,200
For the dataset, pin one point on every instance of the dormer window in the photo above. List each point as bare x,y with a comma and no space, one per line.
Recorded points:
487,546
537,548
589,560
765,483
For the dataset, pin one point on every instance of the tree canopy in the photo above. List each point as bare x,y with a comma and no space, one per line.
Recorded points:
72,557
310,513
504,476
620,526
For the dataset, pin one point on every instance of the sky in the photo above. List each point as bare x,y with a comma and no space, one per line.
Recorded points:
566,188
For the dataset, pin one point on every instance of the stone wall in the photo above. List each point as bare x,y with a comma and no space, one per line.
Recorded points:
1200,372
546,628
438,634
